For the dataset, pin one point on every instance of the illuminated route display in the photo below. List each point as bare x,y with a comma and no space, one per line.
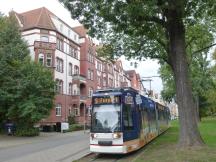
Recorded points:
107,100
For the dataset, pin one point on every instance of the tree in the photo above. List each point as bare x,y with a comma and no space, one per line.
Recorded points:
26,88
155,29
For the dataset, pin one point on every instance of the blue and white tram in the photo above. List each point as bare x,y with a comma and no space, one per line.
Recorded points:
124,121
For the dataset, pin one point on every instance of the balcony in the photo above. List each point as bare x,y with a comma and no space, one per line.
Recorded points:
44,45
83,98
123,84
79,77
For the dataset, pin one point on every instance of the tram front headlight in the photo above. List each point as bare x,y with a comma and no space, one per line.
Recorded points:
94,135
116,135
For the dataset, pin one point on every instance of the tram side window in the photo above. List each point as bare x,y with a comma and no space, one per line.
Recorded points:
127,118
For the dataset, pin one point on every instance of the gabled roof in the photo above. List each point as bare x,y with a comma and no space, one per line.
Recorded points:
80,30
36,18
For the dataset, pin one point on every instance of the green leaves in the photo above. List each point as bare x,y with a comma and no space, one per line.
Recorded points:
26,88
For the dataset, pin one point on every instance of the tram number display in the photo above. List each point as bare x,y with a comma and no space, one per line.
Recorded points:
129,99
107,100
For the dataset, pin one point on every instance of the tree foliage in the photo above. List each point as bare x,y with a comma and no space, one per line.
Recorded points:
156,29
198,38
26,88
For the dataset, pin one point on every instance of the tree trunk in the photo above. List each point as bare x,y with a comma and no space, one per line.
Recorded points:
189,135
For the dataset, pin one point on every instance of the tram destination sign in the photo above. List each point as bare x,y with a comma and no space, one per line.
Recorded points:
107,100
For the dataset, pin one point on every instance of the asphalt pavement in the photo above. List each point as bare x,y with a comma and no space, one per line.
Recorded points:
48,147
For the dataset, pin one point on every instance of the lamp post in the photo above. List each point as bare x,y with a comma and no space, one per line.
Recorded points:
84,118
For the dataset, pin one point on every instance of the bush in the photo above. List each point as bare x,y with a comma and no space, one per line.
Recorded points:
71,119
75,127
28,132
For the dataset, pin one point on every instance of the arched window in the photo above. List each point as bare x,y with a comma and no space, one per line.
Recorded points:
41,58
58,109
76,70
59,86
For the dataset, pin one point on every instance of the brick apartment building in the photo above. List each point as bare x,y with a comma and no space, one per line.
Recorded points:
71,55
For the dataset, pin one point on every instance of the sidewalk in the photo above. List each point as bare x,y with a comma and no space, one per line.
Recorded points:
48,147
13,141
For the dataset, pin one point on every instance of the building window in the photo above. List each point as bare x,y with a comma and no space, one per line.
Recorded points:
99,80
58,109
71,51
59,44
90,92
41,58
89,74
48,60
70,110
103,68
59,86
110,69
70,89
104,82
76,53
70,69
99,66
92,74
76,70
89,111
59,65
44,38
76,111
90,55
75,89
110,82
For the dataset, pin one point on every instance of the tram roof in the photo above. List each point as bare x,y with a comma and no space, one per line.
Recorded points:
115,90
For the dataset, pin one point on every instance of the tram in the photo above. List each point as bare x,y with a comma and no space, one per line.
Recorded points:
123,121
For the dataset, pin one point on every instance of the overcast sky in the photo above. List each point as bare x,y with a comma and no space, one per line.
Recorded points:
145,69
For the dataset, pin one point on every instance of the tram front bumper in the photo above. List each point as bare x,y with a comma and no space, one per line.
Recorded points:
108,149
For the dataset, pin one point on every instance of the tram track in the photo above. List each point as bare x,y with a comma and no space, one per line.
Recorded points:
93,157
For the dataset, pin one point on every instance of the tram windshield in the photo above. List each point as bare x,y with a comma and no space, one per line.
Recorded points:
106,118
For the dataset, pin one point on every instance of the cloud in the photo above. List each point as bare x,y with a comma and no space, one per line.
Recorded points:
146,68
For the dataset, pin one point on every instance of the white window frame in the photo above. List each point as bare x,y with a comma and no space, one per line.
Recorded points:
59,65
76,111
58,109
90,92
41,56
49,57
76,70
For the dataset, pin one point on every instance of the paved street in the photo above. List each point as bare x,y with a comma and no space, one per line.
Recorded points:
48,147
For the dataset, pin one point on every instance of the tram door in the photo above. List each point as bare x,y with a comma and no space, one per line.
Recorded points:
129,116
